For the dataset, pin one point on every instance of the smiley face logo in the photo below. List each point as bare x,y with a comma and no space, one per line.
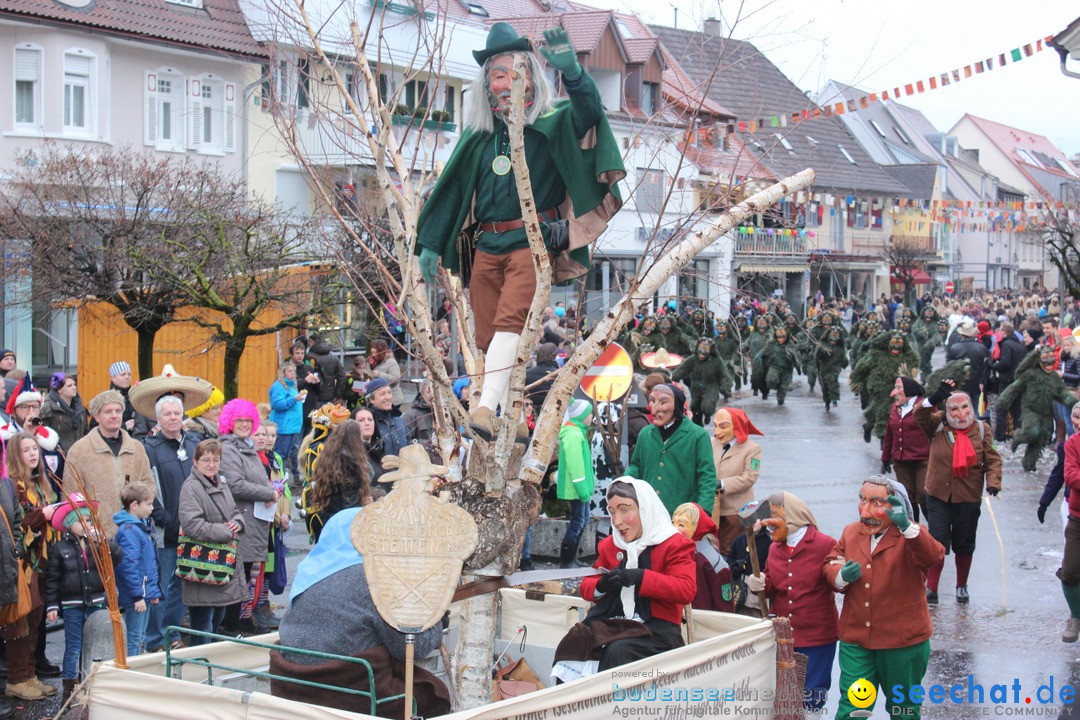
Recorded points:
862,693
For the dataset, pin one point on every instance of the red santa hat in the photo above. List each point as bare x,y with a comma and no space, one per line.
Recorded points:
24,393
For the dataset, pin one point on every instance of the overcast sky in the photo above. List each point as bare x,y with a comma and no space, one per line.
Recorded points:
876,45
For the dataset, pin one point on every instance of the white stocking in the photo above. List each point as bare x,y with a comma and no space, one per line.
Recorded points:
498,362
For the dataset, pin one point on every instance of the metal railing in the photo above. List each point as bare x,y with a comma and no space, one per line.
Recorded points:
173,632
761,244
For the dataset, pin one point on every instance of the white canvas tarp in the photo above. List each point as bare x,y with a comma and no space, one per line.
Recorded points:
731,664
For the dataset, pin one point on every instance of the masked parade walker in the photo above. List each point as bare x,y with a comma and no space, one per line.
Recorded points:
472,221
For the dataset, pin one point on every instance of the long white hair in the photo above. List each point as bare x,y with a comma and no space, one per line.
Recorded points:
478,116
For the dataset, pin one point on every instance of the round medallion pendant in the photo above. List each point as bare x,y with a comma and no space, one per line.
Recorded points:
501,165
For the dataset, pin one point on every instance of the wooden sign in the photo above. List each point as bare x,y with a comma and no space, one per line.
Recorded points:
413,544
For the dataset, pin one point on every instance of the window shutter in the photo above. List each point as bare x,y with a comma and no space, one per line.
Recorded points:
194,124
28,65
150,111
79,65
230,117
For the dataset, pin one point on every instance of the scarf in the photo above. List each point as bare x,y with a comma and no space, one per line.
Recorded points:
796,512
963,454
656,527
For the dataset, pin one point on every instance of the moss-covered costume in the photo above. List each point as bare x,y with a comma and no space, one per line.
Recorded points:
1040,389
886,357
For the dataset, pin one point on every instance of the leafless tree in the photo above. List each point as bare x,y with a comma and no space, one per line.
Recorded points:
1061,236
251,265
90,222
907,258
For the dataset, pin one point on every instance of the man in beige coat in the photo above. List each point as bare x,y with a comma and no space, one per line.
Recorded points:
738,463
105,459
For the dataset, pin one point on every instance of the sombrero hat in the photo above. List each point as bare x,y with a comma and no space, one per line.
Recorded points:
145,393
661,359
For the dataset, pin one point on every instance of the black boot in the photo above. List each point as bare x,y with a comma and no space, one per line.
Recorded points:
69,687
568,556
6,708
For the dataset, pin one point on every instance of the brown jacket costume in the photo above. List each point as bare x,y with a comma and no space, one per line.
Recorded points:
886,607
92,462
939,480
738,469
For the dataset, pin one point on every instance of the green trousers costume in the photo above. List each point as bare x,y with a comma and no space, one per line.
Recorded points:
883,669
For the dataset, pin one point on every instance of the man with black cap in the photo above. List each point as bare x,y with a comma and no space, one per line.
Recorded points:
905,447
573,187
673,454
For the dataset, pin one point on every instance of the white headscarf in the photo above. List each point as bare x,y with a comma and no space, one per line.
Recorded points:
656,527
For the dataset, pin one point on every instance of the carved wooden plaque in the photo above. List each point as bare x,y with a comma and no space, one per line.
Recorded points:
413,544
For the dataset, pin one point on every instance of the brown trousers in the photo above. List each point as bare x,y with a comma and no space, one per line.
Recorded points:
501,290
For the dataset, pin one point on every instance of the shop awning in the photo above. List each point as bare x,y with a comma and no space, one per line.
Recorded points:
921,278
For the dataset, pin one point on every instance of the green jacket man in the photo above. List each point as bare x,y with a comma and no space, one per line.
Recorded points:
472,219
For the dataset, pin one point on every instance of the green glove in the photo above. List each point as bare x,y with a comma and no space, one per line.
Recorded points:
429,265
560,53
851,571
897,514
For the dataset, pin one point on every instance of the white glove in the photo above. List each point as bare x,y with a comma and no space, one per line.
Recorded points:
755,583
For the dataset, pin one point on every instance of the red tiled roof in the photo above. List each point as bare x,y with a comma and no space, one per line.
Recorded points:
1008,140
584,29
737,161
639,50
218,25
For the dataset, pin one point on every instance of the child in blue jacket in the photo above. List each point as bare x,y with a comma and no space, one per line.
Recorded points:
137,573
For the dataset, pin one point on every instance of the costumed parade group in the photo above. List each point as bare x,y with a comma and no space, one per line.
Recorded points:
192,496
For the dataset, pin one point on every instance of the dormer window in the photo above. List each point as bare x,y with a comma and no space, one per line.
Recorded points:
846,154
474,8
650,93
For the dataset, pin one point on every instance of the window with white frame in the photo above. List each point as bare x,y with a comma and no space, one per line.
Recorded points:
651,190
163,125
211,115
28,112
78,92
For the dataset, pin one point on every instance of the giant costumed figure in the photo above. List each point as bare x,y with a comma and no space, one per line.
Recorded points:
709,376
472,220
1040,387
874,377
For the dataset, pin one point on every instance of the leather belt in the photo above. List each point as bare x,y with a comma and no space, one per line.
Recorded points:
508,225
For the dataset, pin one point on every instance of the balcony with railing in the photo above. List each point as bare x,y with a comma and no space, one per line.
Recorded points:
771,242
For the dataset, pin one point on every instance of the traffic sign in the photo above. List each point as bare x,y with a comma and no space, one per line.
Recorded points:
610,376
949,287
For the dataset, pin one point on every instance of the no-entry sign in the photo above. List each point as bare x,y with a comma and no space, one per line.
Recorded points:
610,376
949,287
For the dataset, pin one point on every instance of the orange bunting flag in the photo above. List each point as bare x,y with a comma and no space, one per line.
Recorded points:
908,89
839,109
979,67
967,71
933,83
919,86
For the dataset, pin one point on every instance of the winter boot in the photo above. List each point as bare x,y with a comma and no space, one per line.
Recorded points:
265,618
69,687
568,556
